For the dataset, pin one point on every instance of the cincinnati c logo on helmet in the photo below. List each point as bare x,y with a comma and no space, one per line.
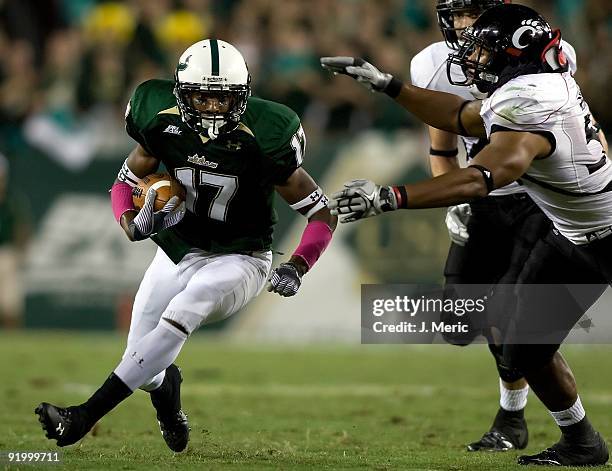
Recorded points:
528,30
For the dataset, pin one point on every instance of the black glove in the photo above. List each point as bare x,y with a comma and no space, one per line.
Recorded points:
285,280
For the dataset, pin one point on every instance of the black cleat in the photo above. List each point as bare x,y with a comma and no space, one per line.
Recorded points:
172,420
66,425
493,441
565,454
509,432
175,430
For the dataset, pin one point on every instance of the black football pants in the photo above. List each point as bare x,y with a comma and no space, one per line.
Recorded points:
503,230
575,277
512,243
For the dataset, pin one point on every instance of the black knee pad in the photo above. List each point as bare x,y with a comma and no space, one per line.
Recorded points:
506,373
474,321
527,357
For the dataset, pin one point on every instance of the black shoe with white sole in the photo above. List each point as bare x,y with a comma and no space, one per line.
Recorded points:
172,420
509,432
65,425
566,454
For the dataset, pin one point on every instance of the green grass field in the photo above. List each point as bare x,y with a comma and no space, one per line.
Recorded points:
269,407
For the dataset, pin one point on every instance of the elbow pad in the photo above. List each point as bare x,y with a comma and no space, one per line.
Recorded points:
487,175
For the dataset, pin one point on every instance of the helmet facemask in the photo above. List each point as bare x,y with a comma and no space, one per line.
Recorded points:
191,98
448,11
476,57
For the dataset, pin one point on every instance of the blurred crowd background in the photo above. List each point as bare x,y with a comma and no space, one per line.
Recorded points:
75,62
67,69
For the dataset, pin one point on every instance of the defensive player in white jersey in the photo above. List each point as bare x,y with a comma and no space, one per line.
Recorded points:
491,238
540,132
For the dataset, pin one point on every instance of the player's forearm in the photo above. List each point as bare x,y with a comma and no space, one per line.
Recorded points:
126,223
324,215
443,151
437,109
328,219
440,110
299,264
315,239
458,186
442,165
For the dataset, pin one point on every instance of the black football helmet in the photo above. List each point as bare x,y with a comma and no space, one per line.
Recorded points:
506,41
446,11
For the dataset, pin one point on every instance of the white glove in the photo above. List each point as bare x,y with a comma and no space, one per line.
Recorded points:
360,70
148,222
362,199
457,218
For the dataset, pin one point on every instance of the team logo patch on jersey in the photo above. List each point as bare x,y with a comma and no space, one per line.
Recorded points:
233,145
196,159
171,129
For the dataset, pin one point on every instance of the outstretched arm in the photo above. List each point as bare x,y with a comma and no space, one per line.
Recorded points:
305,196
442,110
438,109
501,162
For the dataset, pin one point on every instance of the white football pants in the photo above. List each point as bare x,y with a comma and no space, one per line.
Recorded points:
201,289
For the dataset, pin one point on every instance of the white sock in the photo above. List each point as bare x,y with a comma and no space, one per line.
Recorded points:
151,355
570,416
512,399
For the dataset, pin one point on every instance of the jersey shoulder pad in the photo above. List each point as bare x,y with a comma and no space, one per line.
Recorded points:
273,125
148,100
570,54
426,63
527,101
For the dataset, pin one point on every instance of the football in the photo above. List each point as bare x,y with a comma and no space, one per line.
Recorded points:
164,184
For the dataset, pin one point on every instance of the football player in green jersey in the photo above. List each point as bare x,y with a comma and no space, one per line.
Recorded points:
231,152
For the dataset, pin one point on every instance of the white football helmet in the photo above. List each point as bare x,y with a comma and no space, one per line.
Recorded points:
212,68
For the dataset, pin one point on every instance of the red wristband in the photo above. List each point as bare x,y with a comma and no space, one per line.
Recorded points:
401,196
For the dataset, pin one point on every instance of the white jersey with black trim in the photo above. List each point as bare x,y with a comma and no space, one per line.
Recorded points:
428,70
573,185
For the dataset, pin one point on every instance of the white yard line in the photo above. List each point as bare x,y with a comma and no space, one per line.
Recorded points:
340,390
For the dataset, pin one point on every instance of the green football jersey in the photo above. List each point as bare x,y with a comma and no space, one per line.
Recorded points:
230,180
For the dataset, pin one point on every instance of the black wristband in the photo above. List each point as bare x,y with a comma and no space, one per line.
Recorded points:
394,88
487,175
443,153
